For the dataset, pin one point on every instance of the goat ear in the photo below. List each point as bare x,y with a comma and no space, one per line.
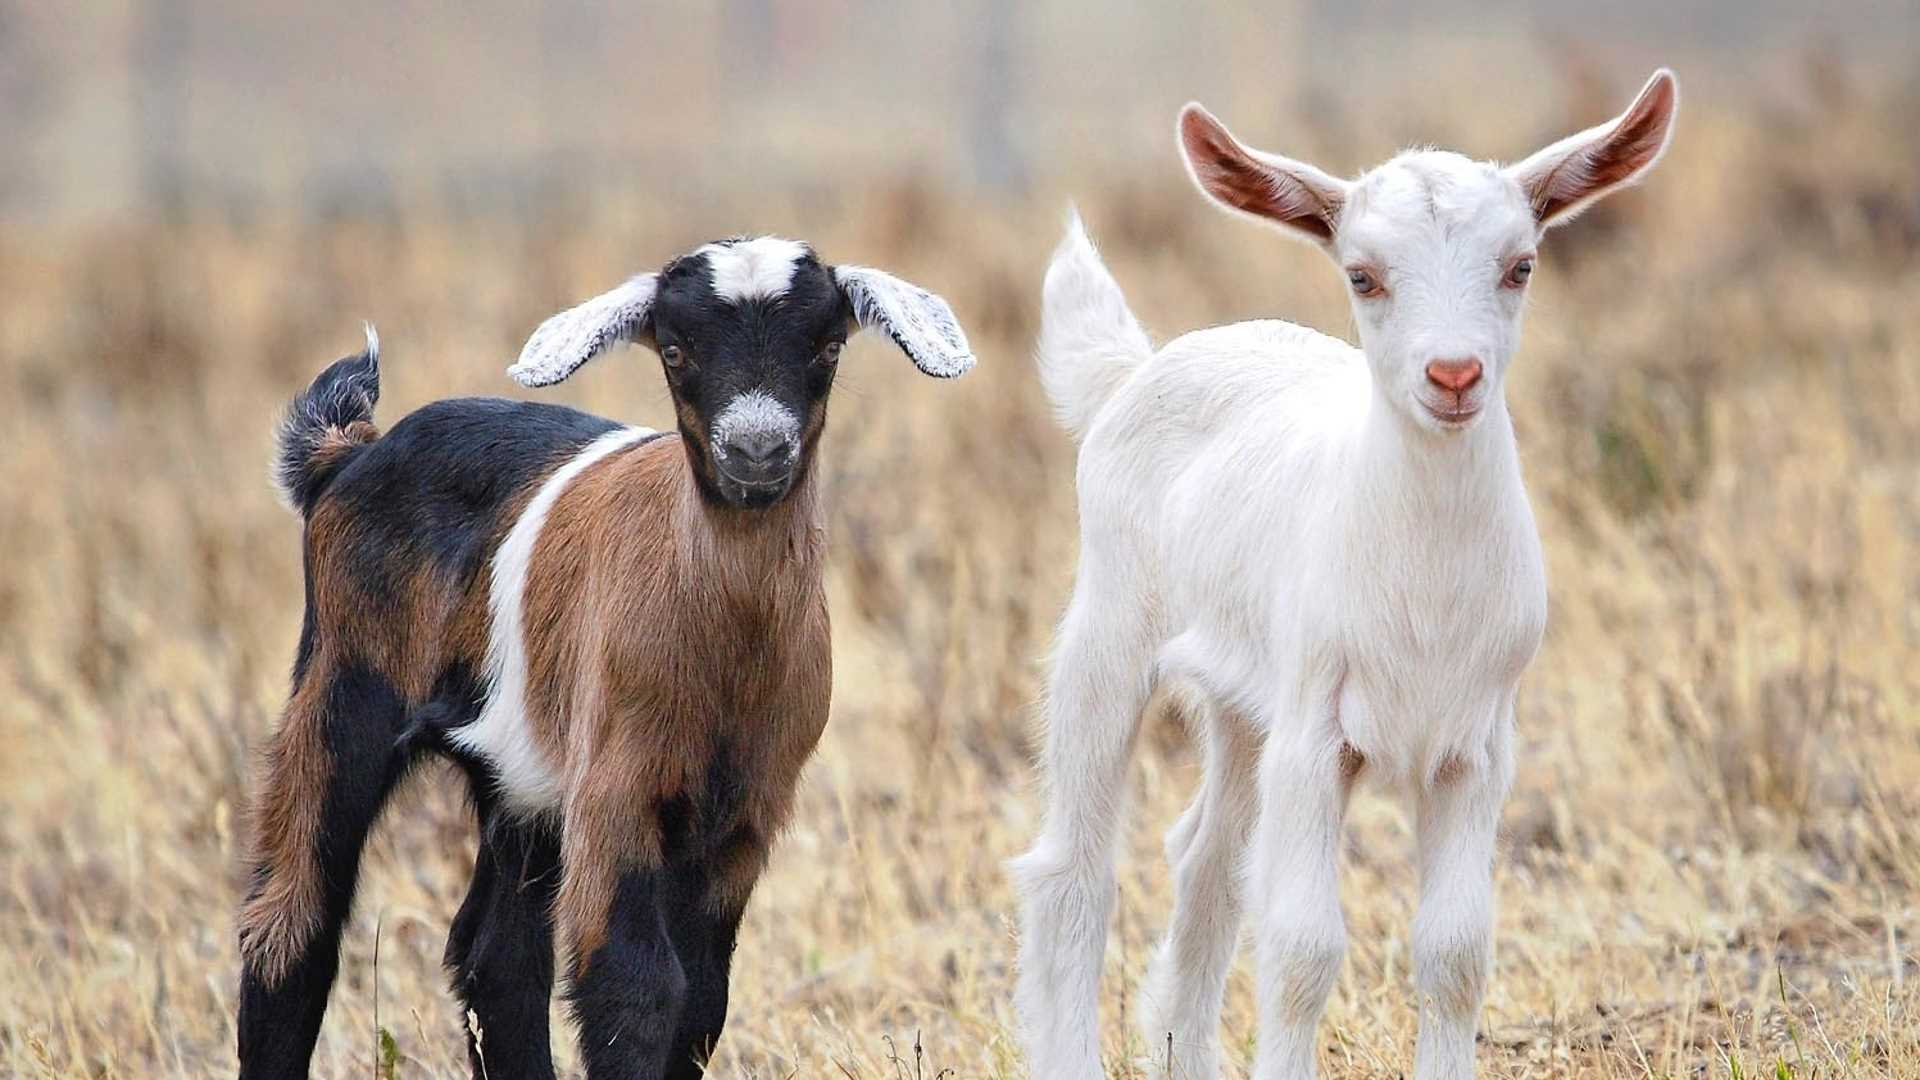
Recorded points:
1291,194
918,321
1579,170
578,334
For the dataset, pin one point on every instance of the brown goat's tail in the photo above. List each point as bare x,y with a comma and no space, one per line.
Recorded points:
326,424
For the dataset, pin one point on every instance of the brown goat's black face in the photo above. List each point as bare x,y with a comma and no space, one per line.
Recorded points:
749,334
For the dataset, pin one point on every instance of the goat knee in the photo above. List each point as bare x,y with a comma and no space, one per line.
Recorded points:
1451,962
1452,957
1298,967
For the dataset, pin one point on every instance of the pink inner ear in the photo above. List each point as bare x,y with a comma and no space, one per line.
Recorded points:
1230,174
1632,145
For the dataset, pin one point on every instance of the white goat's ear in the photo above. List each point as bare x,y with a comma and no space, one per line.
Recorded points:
1579,170
918,321
1280,191
578,334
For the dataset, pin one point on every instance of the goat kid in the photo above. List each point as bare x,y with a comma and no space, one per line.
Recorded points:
619,635
1329,551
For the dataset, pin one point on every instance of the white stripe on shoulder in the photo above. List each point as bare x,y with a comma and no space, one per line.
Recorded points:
529,784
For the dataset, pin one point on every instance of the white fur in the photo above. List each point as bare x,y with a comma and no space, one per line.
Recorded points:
1348,583
529,783
755,411
757,269
565,341
918,321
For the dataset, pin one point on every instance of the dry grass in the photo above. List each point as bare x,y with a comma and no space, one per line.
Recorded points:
1711,863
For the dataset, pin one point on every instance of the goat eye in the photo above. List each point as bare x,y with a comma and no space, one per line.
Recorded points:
1364,283
673,355
1521,272
831,354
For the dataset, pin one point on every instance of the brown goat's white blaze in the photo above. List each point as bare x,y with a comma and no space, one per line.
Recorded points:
522,753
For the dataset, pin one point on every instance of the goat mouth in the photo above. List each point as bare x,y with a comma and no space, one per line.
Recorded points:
1452,418
754,493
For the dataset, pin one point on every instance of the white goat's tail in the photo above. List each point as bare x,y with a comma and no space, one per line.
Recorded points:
1089,342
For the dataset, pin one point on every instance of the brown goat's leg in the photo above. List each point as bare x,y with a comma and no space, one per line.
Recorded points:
500,950
704,942
628,986
703,905
628,990
330,767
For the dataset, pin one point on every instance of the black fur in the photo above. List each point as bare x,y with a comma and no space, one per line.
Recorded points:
658,986
777,346
365,718
704,942
434,492
434,488
693,829
345,393
500,948
632,990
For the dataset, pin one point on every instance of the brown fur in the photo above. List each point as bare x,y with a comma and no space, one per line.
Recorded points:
674,630
276,923
681,630
337,442
437,622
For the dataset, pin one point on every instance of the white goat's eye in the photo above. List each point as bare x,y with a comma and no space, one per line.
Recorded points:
1520,273
831,354
673,355
1363,282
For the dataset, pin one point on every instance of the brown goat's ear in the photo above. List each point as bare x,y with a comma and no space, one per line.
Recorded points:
1299,198
1579,170
918,321
578,334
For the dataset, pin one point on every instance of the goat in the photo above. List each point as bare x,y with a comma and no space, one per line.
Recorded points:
1329,552
619,635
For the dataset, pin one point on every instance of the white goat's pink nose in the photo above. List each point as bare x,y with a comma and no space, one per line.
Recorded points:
1455,375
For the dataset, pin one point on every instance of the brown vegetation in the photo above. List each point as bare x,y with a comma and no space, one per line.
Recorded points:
1711,863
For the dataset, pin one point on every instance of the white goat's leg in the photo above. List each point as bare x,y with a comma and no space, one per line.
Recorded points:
1182,996
1302,938
1100,682
1459,821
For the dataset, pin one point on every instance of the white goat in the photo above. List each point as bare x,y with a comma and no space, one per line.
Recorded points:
1329,550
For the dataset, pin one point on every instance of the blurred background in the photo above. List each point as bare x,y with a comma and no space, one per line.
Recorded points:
363,108
1710,865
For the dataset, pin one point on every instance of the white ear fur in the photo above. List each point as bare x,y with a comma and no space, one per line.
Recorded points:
578,334
1273,190
1579,170
918,321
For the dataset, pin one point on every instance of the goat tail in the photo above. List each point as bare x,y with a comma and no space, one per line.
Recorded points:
325,425
1089,342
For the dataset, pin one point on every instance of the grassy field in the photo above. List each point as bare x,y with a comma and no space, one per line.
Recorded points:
1711,858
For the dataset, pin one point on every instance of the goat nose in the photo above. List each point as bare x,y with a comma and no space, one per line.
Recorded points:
1455,375
758,447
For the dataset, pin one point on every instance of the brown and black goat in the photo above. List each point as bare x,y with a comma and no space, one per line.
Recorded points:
619,635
